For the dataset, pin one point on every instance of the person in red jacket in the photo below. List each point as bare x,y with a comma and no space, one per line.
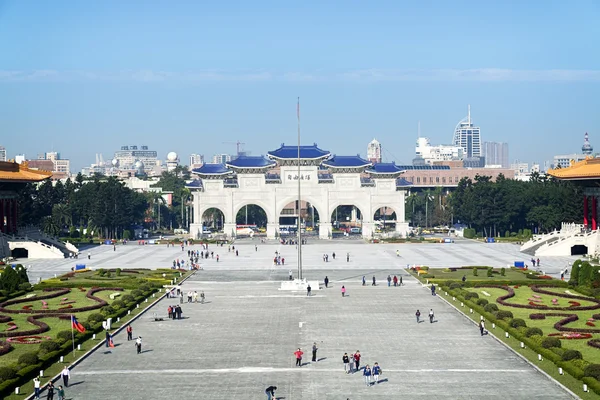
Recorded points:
357,360
298,353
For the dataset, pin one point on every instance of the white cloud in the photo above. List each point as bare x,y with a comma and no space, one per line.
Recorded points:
372,75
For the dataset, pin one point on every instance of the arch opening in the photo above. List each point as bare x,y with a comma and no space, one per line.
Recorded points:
346,219
213,221
385,219
309,218
579,250
251,219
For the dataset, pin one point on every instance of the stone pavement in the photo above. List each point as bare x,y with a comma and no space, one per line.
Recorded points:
362,255
242,340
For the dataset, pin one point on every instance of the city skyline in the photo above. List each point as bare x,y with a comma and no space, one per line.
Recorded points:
82,76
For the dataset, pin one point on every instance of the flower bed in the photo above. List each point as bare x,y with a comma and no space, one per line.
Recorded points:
572,335
28,339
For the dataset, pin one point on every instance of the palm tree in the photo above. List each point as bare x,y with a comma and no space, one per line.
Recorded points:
62,214
49,226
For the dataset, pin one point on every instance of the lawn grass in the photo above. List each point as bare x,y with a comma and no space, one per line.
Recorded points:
511,274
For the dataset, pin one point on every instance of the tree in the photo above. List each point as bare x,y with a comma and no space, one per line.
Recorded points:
9,279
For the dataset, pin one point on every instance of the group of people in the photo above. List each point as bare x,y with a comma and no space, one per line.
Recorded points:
431,316
192,297
395,280
174,312
352,364
278,260
60,392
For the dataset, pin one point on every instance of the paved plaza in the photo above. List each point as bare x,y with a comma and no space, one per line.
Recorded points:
362,256
242,340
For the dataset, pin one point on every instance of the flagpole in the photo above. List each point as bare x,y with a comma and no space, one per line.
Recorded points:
299,202
73,335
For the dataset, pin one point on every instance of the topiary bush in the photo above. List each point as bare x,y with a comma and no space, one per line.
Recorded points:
490,272
533,332
571,355
28,359
118,272
491,308
471,295
455,285
107,311
48,346
137,293
95,318
63,336
550,342
127,299
482,302
592,370
504,314
7,373
517,323
502,271
118,304
474,271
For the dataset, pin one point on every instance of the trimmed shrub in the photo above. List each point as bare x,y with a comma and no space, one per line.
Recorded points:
571,355
28,359
118,272
455,285
592,370
482,302
533,332
468,233
118,304
48,346
107,311
517,323
490,271
550,342
471,295
502,271
95,318
137,293
128,299
504,314
491,308
474,271
63,336
7,373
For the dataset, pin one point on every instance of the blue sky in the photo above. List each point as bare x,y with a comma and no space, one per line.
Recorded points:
87,77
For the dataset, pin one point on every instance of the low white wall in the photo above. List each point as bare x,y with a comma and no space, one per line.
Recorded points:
36,250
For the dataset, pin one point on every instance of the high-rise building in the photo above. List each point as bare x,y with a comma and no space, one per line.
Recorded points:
221,158
62,167
196,159
129,155
2,153
468,137
496,154
374,151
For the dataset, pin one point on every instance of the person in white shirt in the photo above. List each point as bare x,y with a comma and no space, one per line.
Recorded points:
36,387
66,374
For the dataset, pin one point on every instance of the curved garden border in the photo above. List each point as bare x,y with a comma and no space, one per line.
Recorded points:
58,292
538,289
33,319
5,347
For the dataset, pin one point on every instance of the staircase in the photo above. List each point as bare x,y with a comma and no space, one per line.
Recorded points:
547,239
35,234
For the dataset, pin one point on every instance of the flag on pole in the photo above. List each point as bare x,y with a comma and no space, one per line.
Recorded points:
110,341
76,325
298,108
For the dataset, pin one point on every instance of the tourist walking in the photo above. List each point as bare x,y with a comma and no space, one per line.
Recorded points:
270,392
326,280
364,281
50,391
376,372
431,315
400,280
482,327
356,357
298,353
308,289
347,257
314,352
346,361
202,297
374,284
66,374
36,387
129,333
367,375
395,281
343,291
433,289
61,393
418,315
138,344
107,334
291,275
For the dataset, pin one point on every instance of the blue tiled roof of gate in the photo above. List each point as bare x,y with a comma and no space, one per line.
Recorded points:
251,162
196,183
346,161
211,169
403,182
306,152
384,168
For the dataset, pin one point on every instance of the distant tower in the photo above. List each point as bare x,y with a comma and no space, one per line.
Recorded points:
172,161
468,136
587,148
374,151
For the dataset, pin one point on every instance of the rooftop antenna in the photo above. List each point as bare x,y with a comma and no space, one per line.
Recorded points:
469,116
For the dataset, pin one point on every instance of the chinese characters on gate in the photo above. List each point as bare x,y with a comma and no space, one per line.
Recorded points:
295,177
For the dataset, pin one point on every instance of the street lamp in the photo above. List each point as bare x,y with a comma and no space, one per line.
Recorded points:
428,198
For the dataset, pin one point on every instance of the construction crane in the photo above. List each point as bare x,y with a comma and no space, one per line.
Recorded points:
237,145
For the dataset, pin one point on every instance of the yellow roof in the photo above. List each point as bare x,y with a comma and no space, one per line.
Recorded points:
585,169
13,172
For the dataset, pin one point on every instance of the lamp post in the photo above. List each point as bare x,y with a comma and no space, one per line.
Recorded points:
428,198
